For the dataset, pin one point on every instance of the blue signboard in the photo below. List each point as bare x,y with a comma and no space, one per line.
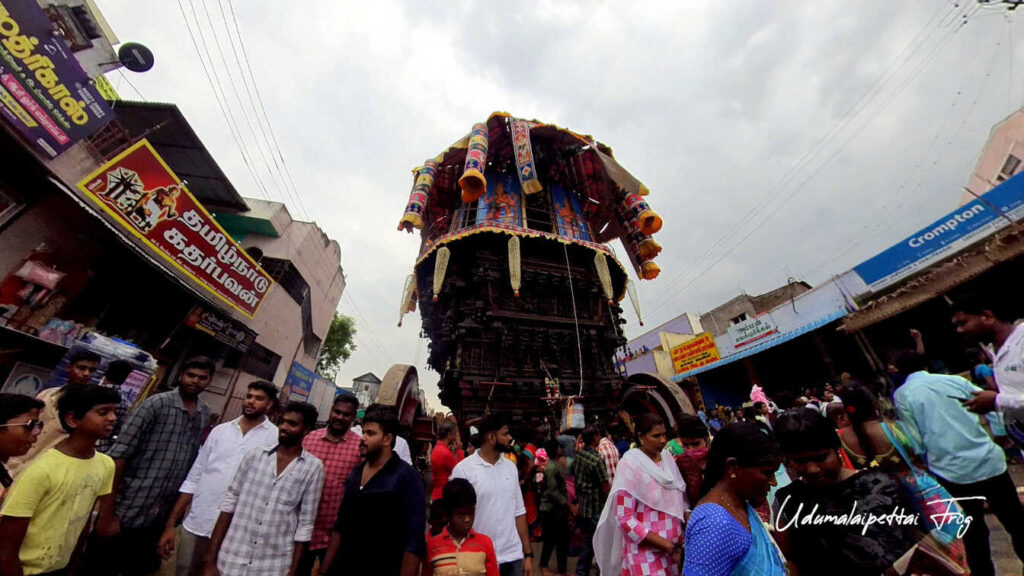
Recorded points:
299,382
44,93
947,235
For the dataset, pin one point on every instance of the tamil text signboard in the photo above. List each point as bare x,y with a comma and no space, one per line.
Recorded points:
947,235
752,330
299,382
220,327
700,351
44,93
144,196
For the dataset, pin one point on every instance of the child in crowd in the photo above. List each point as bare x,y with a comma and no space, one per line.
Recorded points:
458,549
19,428
44,517
81,366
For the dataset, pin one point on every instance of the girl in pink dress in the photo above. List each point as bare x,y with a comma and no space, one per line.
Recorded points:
641,528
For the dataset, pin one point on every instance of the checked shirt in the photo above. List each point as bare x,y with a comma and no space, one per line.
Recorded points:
271,512
589,471
159,442
340,459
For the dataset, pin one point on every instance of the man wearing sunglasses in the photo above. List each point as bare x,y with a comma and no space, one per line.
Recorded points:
19,428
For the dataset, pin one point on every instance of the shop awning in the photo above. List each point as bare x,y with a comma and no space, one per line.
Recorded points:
939,279
764,346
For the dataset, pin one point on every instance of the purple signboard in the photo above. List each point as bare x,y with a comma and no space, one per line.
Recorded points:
44,93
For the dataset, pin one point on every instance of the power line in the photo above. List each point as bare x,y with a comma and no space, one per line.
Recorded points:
369,328
238,98
125,76
903,58
266,118
779,205
223,110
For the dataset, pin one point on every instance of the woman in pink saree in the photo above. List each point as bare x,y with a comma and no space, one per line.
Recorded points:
641,528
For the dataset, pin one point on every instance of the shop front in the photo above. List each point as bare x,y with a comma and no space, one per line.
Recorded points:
67,271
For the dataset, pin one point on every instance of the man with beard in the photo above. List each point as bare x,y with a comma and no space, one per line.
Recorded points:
501,512
382,519
266,518
211,474
153,454
337,446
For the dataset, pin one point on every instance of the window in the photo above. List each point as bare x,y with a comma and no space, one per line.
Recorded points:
538,212
284,273
260,362
1009,167
741,318
75,24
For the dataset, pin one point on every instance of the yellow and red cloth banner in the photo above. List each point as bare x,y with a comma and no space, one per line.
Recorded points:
695,353
472,182
523,150
139,191
418,197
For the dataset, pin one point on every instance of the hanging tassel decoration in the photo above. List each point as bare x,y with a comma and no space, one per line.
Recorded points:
440,267
473,182
408,298
601,263
514,271
633,297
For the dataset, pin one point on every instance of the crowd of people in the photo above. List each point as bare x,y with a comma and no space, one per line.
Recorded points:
851,479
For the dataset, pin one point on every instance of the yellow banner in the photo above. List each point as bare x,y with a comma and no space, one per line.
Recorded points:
105,88
695,353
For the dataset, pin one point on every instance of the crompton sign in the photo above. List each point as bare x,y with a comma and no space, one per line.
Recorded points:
947,235
752,330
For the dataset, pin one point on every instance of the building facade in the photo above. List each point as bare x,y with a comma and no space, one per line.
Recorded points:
75,263
1000,159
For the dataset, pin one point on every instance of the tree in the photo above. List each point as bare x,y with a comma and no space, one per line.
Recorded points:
338,346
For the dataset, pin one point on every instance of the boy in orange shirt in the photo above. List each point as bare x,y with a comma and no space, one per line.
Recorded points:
458,550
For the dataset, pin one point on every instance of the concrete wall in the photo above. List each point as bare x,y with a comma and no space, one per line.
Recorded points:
1006,137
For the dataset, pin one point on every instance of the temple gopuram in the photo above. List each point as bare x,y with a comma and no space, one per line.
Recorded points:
517,286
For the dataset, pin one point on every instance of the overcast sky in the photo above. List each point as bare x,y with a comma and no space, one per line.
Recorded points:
778,139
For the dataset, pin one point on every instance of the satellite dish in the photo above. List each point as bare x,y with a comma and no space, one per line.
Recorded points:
135,57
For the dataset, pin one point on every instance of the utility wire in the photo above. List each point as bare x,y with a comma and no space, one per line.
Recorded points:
238,98
779,205
223,110
904,57
266,118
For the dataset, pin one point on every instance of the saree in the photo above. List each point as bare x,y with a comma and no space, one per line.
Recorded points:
764,557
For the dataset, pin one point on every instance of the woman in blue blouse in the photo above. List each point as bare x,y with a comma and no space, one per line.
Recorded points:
725,536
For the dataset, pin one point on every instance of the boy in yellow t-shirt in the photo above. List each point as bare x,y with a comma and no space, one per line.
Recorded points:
45,513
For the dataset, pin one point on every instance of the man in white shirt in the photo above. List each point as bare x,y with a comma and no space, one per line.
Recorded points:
402,449
203,490
990,323
500,512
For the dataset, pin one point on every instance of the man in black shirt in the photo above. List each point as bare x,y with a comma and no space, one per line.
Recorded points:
382,519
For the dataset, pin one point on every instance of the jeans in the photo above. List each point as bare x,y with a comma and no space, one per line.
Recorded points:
514,568
1002,499
589,526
